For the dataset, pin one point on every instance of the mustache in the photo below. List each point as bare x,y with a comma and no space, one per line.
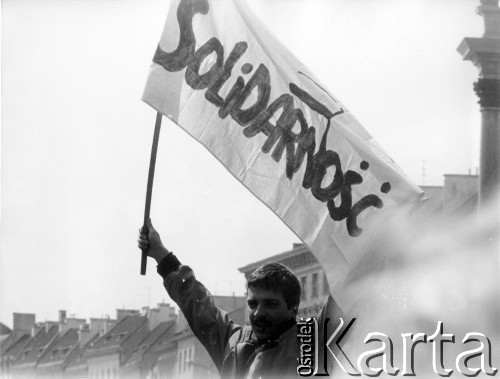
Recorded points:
261,321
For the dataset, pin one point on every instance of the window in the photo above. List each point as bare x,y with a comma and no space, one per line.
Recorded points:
183,360
303,283
326,288
179,360
314,285
189,358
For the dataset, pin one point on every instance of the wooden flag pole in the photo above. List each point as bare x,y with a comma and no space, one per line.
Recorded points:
149,190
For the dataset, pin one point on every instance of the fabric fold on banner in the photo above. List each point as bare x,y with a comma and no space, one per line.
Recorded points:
224,78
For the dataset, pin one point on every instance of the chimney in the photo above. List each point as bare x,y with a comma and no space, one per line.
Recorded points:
62,317
24,323
122,313
84,334
163,313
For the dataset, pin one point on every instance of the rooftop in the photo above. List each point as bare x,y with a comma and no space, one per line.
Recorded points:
60,349
78,358
162,333
124,337
36,346
298,256
13,345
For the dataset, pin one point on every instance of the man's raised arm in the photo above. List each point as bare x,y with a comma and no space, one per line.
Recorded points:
210,325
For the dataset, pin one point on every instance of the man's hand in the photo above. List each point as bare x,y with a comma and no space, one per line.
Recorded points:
152,243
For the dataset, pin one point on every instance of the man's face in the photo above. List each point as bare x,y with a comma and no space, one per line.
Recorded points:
268,312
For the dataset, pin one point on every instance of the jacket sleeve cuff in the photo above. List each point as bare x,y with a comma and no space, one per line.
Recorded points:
168,265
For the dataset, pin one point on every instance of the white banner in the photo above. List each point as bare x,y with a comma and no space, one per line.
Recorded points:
220,75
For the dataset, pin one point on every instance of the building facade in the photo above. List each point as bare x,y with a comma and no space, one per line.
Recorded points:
185,357
148,343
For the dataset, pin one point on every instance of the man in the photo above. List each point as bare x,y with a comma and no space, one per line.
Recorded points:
269,349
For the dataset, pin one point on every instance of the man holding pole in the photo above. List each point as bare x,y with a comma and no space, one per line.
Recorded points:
267,349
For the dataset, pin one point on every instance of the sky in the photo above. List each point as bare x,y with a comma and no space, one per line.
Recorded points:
76,139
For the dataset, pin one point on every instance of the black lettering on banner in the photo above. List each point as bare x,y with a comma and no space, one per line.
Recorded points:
360,206
281,134
314,104
262,124
306,144
385,187
231,98
317,85
342,184
193,77
342,211
324,159
212,93
256,117
262,80
179,58
246,68
311,165
302,139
